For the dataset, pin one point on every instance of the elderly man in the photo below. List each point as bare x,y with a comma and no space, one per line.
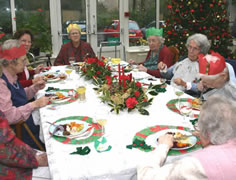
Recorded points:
217,77
76,50
216,160
184,74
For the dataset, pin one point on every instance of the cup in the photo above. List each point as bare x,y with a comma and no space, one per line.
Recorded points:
81,91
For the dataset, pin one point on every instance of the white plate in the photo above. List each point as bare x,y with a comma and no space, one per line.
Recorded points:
152,139
54,79
67,97
60,133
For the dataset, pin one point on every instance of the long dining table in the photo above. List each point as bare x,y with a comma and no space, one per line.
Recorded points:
119,162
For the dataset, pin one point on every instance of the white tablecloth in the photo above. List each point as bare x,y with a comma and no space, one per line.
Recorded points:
119,162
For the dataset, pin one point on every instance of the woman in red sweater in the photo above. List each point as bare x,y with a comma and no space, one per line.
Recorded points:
25,78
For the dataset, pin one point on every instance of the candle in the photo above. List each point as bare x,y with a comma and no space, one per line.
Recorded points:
123,77
119,74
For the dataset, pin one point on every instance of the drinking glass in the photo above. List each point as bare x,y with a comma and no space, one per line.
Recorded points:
81,89
178,93
68,71
71,60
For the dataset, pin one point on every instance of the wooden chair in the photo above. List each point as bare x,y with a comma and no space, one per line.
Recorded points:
19,127
175,51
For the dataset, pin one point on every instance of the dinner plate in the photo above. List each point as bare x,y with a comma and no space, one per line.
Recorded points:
60,133
53,79
66,98
152,139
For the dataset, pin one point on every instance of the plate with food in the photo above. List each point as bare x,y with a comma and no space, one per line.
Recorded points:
196,104
58,96
69,128
182,139
51,77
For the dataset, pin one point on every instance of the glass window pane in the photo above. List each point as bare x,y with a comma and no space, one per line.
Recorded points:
108,22
5,22
34,15
73,12
143,16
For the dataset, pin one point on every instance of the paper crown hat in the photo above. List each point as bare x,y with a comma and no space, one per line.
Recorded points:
154,32
211,64
12,53
73,26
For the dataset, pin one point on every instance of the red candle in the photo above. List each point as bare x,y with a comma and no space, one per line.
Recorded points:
123,77
119,74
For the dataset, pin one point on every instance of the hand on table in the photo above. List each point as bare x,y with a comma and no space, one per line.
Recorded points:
142,68
180,82
40,84
166,139
42,159
131,61
41,102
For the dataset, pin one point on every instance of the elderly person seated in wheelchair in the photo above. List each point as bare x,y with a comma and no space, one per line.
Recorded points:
184,73
217,124
158,53
13,97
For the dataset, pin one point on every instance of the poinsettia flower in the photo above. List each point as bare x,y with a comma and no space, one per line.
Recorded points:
109,80
109,68
39,9
137,93
131,102
103,57
91,60
95,76
138,84
145,100
98,72
101,63
115,76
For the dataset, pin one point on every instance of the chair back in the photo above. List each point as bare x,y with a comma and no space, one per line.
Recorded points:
175,51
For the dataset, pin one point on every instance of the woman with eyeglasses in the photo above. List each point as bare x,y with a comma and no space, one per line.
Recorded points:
76,49
184,73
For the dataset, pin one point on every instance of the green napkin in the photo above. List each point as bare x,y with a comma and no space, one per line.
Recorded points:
82,151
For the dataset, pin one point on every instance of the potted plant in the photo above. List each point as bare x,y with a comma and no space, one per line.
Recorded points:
36,22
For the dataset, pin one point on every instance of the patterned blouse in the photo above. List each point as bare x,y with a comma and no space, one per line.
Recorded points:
16,158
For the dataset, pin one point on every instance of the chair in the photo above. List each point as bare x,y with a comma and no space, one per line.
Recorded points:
19,127
175,51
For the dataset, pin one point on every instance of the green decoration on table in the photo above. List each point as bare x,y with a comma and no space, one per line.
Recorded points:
52,89
137,143
194,121
82,151
99,145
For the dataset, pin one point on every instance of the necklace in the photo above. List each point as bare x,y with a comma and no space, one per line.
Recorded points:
16,86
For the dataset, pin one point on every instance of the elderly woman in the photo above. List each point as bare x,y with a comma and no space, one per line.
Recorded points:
25,37
158,53
25,160
184,73
13,98
76,50
220,78
217,124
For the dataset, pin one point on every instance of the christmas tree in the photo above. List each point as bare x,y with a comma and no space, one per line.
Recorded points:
209,17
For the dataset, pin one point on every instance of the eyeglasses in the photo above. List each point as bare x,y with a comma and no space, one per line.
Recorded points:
74,33
25,41
191,48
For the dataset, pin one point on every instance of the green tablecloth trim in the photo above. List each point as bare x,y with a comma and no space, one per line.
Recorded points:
97,131
172,105
143,134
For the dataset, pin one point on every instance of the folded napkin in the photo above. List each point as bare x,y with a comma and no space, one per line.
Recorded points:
139,144
82,151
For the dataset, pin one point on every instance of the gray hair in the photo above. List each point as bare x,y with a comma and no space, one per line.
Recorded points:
160,39
217,119
202,41
8,44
